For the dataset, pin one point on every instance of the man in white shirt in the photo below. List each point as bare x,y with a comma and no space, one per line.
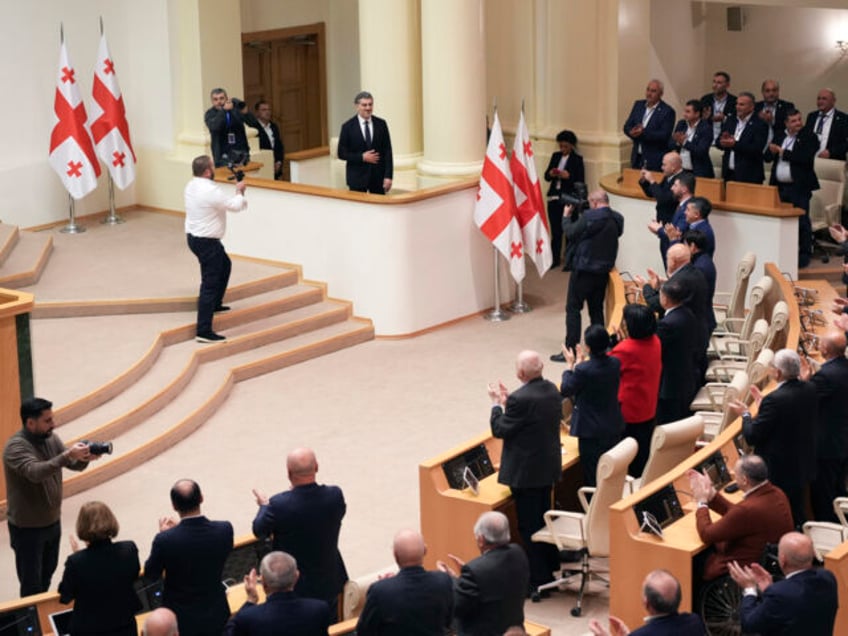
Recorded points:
830,126
269,135
206,208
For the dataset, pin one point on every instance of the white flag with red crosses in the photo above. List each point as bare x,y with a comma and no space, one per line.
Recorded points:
71,149
109,125
529,204
494,212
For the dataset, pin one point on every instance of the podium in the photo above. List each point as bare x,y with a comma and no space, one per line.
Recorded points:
15,363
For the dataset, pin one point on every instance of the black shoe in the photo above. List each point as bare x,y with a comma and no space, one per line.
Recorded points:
209,336
557,357
221,309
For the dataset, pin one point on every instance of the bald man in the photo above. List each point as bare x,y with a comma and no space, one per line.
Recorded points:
305,522
190,555
160,622
528,422
413,601
830,126
661,597
649,126
831,383
804,603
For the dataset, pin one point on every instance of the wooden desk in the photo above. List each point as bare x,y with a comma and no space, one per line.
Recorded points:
347,627
837,562
448,515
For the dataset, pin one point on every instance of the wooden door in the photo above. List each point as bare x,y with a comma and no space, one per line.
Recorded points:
287,67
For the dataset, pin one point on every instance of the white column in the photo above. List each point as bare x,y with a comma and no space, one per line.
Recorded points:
390,69
453,73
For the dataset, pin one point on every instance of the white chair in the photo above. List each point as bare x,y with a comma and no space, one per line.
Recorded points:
825,536
713,396
588,532
732,304
670,444
826,204
840,507
741,327
716,421
735,354
776,336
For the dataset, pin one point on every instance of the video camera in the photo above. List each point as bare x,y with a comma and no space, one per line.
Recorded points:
98,448
580,198
238,158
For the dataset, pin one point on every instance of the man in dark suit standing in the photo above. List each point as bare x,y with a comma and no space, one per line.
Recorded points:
744,528
226,129
190,553
490,590
782,433
793,152
671,222
773,110
830,126
528,422
649,126
693,138
831,384
661,597
805,602
269,135
743,139
672,167
680,335
413,602
282,612
720,104
365,145
305,522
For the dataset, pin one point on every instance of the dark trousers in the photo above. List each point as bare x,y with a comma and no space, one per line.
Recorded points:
799,199
642,432
584,287
827,486
673,409
555,222
530,507
215,267
374,184
36,556
591,449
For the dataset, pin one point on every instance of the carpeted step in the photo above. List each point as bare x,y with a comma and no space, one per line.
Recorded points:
9,236
25,263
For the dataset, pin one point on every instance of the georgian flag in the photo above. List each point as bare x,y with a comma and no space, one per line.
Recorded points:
532,213
71,150
494,212
109,125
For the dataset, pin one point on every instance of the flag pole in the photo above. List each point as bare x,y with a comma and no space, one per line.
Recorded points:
518,305
112,218
497,314
72,227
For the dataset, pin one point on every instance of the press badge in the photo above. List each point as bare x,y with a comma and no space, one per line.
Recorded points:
231,138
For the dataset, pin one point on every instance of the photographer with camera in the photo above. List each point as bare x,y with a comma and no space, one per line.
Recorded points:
595,238
206,208
32,462
226,127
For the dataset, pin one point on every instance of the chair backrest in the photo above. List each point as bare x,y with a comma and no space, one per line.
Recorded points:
736,307
826,204
737,390
612,470
776,337
670,444
840,506
756,301
825,536
757,339
758,369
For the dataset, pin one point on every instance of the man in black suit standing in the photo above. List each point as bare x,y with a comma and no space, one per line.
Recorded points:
782,432
269,135
680,335
743,139
661,597
490,590
805,602
773,110
830,126
693,138
649,126
528,422
365,144
411,602
305,522
720,104
190,553
793,152
282,612
226,129
831,384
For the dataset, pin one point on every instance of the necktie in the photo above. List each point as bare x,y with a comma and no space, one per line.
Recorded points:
368,133
820,124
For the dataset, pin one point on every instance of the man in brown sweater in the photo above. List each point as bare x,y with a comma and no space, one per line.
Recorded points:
32,461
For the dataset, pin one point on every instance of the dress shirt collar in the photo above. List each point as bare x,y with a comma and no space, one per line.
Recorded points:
754,489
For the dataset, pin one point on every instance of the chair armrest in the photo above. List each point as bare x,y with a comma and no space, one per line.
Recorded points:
565,523
581,495
628,485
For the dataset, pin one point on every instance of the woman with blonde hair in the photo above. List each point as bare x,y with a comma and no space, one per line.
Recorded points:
99,579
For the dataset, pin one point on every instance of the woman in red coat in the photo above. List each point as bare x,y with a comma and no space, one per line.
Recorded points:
641,364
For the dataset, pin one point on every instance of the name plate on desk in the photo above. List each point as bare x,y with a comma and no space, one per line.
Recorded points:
663,506
475,460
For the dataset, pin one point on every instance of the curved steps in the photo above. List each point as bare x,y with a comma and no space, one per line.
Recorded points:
23,256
